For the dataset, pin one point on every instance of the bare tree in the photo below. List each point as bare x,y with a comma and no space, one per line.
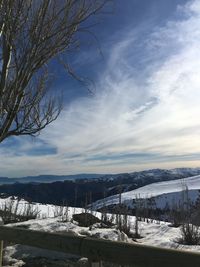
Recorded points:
32,32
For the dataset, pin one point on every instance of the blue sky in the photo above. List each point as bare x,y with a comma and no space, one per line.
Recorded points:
144,110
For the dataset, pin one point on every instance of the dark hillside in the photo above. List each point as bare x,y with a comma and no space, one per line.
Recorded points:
88,190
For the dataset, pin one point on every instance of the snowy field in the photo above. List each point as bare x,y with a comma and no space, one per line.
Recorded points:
156,234
161,235
163,192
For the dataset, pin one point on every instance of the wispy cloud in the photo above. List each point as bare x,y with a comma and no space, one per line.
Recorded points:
145,112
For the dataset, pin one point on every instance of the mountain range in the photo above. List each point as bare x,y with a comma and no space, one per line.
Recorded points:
82,189
46,178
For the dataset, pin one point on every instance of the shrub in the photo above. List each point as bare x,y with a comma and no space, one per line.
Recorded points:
123,224
62,212
190,234
11,213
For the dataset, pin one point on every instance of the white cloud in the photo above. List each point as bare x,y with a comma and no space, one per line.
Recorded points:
153,110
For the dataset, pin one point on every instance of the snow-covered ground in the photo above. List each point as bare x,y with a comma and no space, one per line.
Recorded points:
157,234
20,255
161,235
163,192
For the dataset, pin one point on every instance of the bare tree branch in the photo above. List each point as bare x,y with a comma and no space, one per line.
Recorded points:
32,32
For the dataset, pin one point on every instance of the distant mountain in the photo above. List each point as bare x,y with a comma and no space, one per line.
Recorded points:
77,190
47,178
154,175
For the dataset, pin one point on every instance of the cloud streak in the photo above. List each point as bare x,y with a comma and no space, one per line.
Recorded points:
144,114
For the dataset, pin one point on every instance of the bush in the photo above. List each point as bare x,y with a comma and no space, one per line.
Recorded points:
11,213
62,212
190,234
123,223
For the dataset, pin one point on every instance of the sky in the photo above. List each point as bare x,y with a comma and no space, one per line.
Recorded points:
142,110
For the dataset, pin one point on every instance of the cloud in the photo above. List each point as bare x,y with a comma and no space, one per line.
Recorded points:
145,112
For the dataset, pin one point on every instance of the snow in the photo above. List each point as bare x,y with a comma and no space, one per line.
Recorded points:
43,210
169,190
158,234
17,255
171,198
